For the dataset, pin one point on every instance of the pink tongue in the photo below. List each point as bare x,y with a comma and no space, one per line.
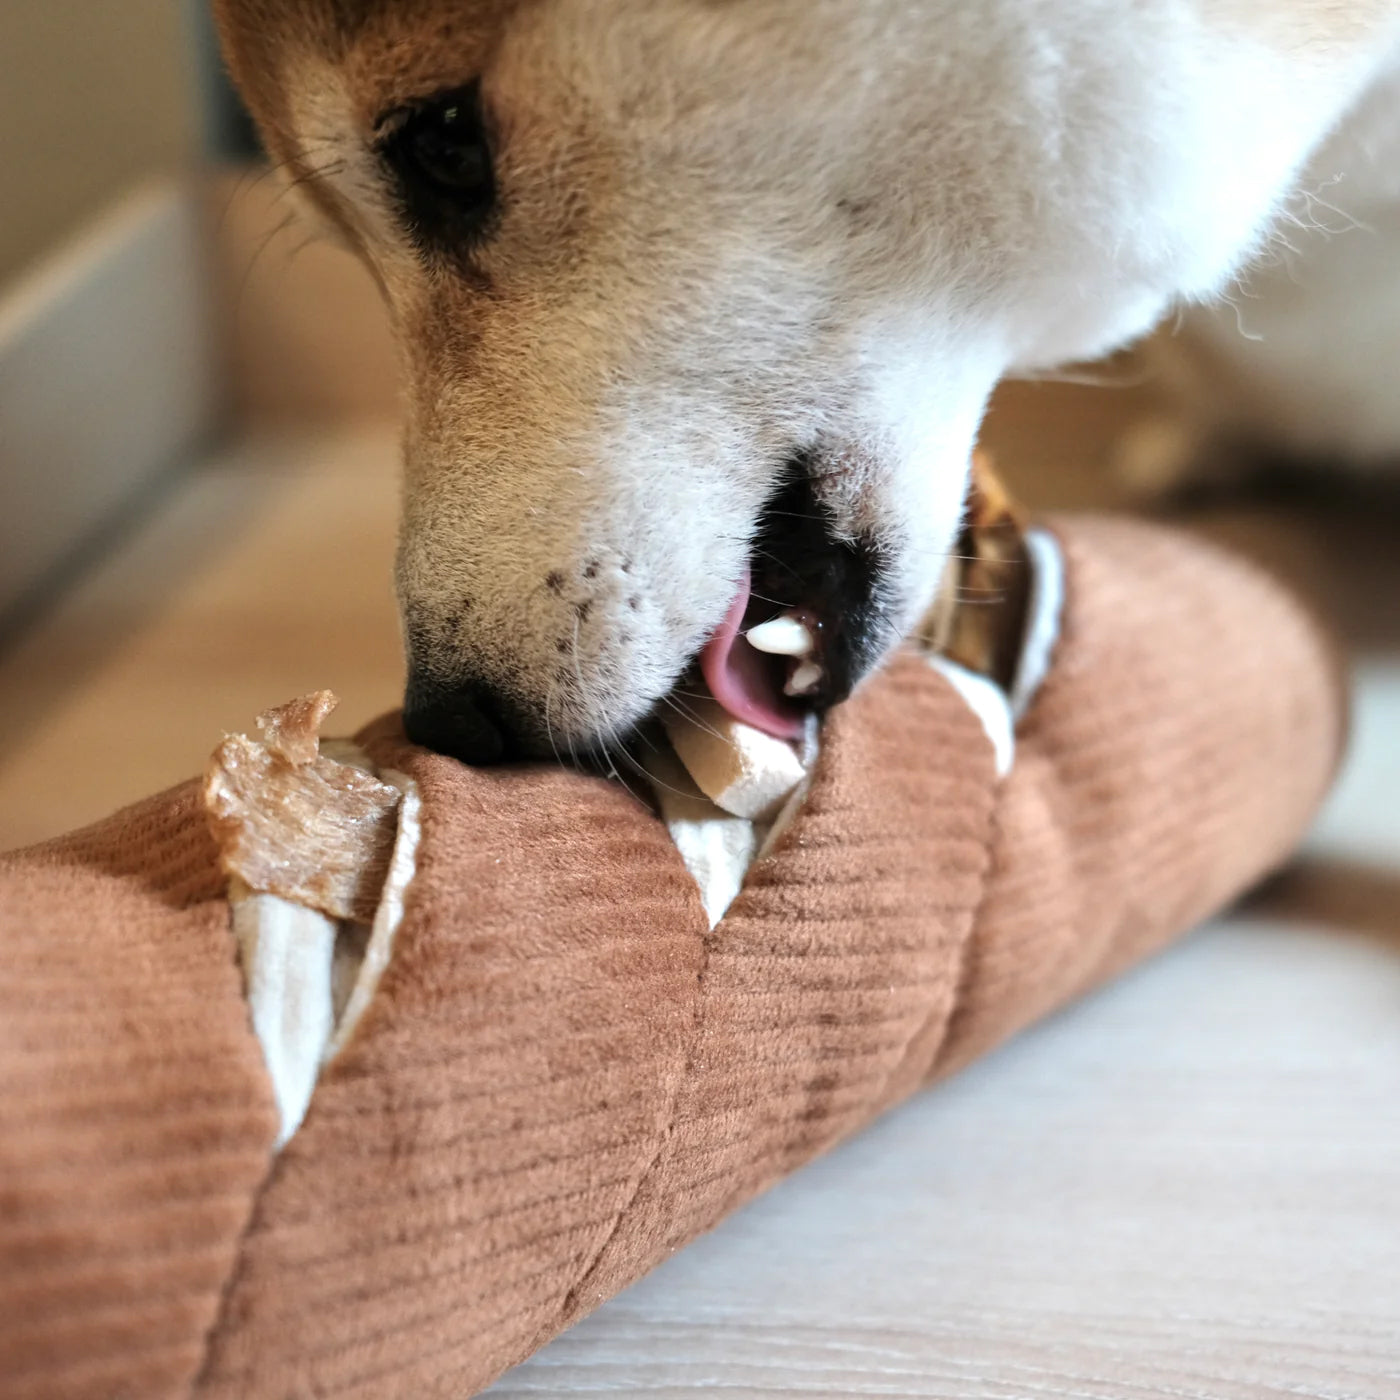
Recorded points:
746,682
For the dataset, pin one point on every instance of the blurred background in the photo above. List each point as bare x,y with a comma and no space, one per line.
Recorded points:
94,99
198,505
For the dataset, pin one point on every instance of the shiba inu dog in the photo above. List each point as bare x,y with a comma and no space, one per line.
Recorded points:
700,302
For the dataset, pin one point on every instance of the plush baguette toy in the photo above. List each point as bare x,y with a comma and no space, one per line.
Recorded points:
453,1056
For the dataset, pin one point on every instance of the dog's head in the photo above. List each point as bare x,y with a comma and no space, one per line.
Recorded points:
700,304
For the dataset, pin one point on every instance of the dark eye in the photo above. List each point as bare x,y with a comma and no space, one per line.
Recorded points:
440,154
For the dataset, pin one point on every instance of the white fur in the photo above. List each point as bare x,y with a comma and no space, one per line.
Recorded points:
736,229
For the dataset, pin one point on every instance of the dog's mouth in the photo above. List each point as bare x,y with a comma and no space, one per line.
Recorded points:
805,622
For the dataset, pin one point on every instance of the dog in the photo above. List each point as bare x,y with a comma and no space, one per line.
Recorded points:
700,302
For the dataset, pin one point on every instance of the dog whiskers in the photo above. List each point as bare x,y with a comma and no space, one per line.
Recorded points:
691,717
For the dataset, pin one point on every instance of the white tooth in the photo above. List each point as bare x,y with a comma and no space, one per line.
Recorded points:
787,635
805,679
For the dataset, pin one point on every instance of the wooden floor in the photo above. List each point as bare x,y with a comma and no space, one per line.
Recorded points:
262,573
1188,1186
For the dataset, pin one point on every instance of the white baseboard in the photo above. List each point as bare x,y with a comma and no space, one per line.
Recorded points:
109,376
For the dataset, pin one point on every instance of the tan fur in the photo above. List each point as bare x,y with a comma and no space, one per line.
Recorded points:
732,234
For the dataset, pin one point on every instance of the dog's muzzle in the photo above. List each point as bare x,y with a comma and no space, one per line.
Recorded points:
805,625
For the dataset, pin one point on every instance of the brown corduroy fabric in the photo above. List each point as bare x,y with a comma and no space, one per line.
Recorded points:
564,1075
136,1120
1191,724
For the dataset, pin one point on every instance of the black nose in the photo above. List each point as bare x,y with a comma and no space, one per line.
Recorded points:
462,720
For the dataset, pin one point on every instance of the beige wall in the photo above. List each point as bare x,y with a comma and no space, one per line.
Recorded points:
94,94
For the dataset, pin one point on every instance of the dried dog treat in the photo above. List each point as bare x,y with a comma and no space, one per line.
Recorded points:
292,823
979,619
293,731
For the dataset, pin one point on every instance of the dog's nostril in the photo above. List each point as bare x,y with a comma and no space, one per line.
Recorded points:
461,721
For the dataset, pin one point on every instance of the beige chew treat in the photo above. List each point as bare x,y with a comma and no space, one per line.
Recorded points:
292,823
740,769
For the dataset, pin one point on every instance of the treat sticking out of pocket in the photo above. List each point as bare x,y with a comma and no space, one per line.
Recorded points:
291,822
293,731
979,618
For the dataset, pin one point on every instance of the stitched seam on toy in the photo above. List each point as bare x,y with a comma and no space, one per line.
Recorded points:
668,1133
235,1275
991,831
965,959
995,829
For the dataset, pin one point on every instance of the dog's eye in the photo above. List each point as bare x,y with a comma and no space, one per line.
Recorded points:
440,153
447,148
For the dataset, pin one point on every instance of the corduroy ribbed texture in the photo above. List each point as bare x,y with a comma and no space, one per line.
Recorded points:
136,1121
564,1076
587,1077
1192,722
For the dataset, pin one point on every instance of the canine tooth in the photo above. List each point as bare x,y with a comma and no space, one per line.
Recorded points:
784,636
805,679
